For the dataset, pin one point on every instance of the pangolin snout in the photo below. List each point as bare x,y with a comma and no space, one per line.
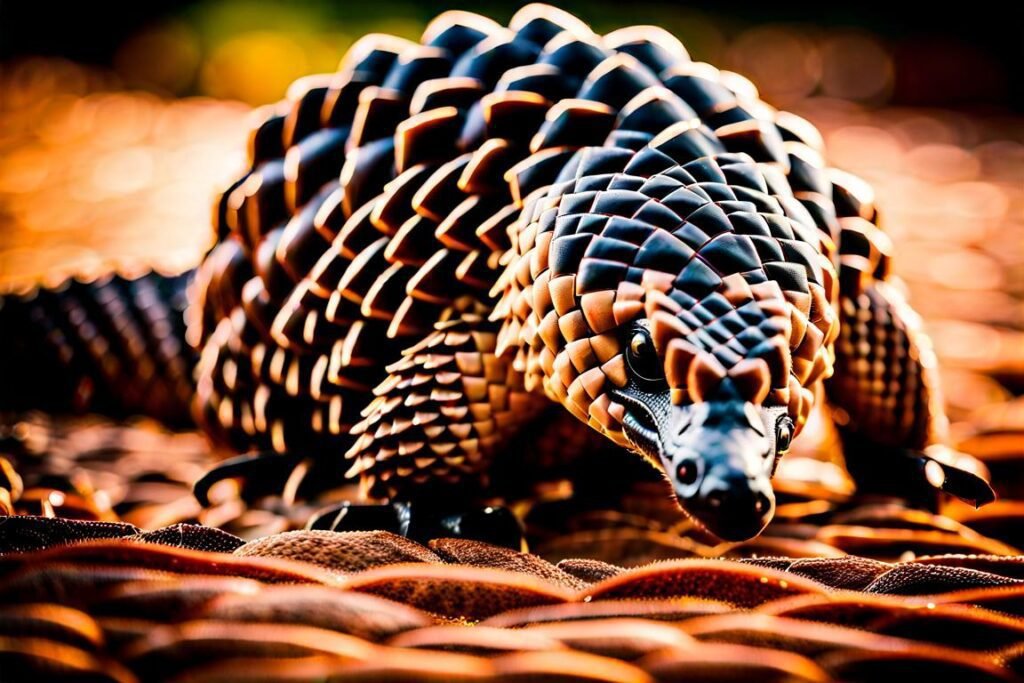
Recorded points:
720,471
732,506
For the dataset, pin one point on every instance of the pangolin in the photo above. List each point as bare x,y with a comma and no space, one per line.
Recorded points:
443,238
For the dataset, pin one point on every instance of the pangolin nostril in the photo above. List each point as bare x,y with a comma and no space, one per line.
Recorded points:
716,498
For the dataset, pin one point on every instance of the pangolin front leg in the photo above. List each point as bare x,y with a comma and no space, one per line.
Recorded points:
886,394
429,437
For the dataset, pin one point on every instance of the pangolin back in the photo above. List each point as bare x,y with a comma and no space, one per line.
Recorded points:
391,196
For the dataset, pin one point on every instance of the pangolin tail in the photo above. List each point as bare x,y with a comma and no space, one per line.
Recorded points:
114,345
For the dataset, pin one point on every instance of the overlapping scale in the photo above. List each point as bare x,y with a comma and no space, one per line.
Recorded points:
564,182
438,148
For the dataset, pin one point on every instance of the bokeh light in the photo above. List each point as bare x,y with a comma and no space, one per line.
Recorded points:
93,177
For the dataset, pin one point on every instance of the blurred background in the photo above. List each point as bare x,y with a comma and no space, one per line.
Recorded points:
119,123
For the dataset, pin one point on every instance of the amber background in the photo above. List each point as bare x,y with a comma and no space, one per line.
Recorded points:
117,126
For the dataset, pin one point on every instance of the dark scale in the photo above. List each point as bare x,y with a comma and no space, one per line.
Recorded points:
114,345
443,242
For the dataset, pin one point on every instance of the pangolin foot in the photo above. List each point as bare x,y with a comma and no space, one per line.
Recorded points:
257,474
266,473
918,476
424,522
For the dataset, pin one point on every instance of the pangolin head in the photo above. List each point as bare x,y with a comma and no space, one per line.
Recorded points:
681,305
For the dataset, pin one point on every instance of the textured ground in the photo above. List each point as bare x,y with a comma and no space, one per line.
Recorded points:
837,587
105,576
192,603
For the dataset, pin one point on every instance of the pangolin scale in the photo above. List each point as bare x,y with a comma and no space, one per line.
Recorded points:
442,239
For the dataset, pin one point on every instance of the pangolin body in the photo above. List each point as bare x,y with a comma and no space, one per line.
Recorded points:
442,238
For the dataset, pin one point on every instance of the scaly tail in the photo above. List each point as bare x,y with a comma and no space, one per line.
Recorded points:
114,346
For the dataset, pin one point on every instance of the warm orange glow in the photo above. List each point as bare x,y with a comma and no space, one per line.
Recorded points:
93,178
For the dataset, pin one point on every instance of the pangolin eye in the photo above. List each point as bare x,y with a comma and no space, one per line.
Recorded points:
643,359
783,434
686,473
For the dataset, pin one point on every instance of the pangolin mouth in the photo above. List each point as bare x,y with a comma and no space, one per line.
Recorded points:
639,427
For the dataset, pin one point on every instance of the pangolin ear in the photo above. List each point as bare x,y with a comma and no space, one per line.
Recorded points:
656,300
664,328
704,377
678,357
751,379
666,325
